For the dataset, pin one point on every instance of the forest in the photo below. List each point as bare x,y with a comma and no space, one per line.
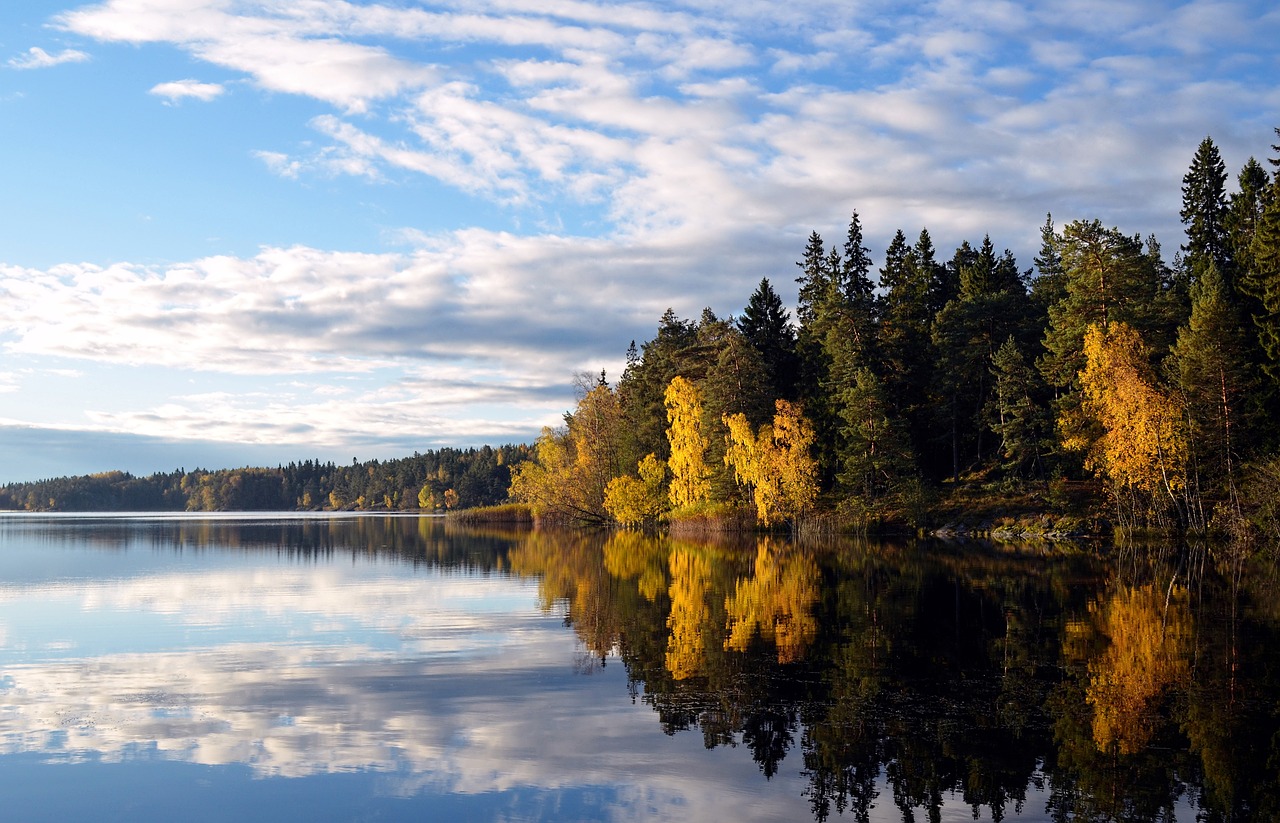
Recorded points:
1102,387
443,479
1102,380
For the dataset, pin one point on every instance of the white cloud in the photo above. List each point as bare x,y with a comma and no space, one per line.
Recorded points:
37,58
178,90
701,142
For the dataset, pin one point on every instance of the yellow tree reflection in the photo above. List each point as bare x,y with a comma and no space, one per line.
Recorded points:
1149,631
635,556
690,615
777,602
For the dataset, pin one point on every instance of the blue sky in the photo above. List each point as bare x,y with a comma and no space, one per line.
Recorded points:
250,231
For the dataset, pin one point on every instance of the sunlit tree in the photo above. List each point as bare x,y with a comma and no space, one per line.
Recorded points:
631,500
1142,446
690,475
775,463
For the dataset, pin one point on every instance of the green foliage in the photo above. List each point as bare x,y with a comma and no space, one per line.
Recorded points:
1204,212
478,476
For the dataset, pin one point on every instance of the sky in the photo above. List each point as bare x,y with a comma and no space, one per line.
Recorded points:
246,232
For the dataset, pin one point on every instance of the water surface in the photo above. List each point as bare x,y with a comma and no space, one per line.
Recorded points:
342,668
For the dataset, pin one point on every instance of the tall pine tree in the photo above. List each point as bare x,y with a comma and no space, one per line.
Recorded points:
1204,212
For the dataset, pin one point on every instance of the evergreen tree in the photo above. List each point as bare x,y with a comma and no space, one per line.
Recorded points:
877,457
1244,213
1050,284
1022,416
766,325
644,383
1264,280
857,292
1204,211
991,306
904,325
1217,384
1109,277
814,280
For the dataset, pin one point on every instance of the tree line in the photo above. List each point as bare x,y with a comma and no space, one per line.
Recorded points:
442,479
1152,380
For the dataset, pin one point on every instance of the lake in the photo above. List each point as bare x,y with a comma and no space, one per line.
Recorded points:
310,667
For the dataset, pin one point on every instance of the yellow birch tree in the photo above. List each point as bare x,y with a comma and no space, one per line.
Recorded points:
775,463
631,500
690,475
1143,445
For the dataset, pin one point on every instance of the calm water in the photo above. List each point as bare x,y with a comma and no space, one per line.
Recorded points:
387,668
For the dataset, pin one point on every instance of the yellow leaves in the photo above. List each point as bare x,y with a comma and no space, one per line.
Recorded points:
777,602
571,468
629,500
1147,655
1143,445
690,617
690,476
775,463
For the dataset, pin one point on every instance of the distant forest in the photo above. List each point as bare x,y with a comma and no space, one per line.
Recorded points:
1155,385
444,479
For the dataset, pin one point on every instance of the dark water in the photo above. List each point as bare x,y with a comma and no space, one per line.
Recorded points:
394,668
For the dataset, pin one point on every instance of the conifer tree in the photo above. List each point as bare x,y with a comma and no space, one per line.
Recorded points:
1021,416
1244,213
991,306
1204,211
1264,280
1050,284
766,325
1109,277
857,292
877,456
814,280
1217,385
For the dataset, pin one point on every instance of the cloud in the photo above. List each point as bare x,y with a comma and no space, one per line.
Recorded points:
178,90
37,58
436,682
690,147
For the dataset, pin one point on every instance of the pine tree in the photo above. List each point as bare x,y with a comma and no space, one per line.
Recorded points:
1022,417
1109,277
877,457
766,325
1244,213
1217,385
1204,211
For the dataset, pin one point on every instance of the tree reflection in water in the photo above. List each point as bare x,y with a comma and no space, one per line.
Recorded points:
1122,687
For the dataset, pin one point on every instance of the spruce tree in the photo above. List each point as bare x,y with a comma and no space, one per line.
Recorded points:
1021,415
1244,212
814,279
1204,211
766,325
1264,281
1050,284
1218,385
877,457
